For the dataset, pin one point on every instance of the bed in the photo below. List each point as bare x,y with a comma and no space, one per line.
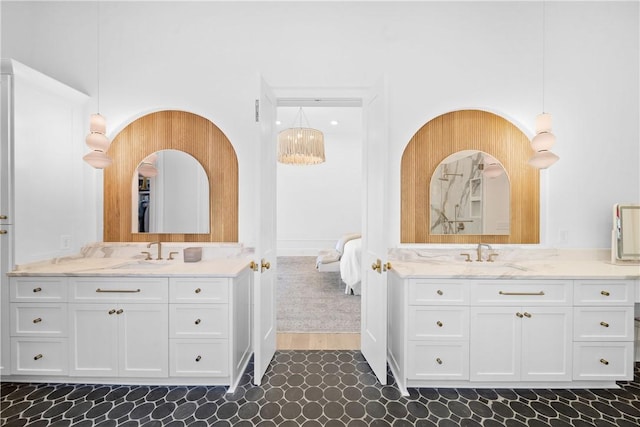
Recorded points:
350,266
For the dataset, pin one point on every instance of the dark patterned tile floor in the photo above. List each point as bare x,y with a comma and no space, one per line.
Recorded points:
314,388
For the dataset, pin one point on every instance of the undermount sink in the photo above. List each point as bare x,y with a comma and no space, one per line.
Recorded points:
142,265
496,264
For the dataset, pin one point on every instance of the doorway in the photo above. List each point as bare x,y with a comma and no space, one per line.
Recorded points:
316,205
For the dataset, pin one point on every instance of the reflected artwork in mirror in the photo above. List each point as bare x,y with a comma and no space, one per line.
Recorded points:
469,195
170,192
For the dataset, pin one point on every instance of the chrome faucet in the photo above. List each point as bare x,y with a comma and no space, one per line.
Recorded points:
159,248
479,250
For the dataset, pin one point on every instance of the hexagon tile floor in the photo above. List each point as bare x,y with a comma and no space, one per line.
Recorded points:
313,388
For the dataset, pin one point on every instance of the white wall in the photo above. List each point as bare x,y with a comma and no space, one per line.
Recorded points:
205,57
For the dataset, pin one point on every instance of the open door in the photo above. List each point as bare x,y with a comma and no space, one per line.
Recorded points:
375,236
264,319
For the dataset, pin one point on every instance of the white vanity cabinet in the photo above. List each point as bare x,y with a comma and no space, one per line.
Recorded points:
509,332
119,327
38,325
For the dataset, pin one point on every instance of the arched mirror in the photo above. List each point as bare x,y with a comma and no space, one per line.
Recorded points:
171,194
469,194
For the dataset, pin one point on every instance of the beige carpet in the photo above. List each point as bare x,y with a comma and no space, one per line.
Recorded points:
309,301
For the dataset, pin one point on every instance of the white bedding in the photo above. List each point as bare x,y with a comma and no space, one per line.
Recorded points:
350,265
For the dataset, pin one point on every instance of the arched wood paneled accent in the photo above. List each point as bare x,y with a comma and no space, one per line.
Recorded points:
468,130
177,130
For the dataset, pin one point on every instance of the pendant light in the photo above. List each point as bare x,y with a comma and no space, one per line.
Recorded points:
301,145
147,167
97,139
544,139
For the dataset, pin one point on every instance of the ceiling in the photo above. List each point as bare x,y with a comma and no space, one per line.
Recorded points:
348,118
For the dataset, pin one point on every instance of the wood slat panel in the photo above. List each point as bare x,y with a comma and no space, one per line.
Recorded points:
176,130
468,130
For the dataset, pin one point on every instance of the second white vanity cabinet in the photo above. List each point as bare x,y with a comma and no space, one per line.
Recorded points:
119,327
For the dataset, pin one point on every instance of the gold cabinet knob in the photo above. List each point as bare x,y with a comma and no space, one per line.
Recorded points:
120,311
439,323
439,292
37,320
519,315
605,293
198,290
253,265
386,266
377,266
38,289
527,315
199,358
439,361
197,322
605,324
37,357
265,265
112,311
604,361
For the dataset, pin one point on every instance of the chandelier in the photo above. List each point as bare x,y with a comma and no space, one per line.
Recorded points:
301,145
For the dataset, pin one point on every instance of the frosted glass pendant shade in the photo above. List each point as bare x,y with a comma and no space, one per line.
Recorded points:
543,159
543,141
493,170
301,146
98,124
543,123
97,159
97,141
147,170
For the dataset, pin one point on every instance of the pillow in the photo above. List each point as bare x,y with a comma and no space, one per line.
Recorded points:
344,239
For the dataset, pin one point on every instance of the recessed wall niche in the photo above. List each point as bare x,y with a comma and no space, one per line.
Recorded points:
172,130
468,130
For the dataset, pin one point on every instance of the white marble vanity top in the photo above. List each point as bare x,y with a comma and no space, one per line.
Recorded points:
510,263
125,259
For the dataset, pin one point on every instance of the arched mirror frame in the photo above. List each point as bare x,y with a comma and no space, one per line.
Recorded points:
468,130
176,130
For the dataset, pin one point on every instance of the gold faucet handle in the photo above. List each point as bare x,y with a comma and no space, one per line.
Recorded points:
148,255
468,257
491,256
171,254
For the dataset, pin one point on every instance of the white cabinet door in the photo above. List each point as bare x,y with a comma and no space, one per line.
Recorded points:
93,340
546,344
495,344
143,345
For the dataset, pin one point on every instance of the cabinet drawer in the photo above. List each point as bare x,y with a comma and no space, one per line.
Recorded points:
603,324
441,323
38,289
604,292
206,290
603,361
433,360
199,358
39,356
38,319
118,289
198,320
521,292
426,292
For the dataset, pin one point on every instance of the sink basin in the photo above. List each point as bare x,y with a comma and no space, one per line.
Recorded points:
495,264
142,265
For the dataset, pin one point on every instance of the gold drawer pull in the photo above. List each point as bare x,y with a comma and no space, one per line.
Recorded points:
605,324
37,320
522,293
439,292
3,231
37,356
197,321
199,358
605,293
604,361
439,323
198,290
37,289
112,311
122,291
519,315
527,315
120,311
439,361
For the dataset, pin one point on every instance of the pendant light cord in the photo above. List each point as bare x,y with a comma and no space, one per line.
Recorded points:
98,52
543,49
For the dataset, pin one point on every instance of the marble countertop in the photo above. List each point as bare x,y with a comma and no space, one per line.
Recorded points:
510,264
103,259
